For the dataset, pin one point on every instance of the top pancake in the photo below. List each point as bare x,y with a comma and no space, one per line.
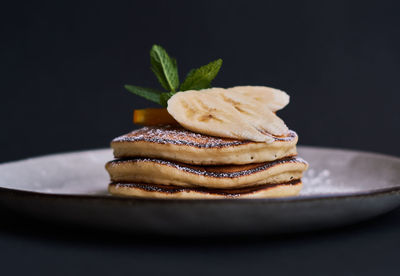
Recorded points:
178,144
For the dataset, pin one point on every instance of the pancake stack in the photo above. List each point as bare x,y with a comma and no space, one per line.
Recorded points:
173,162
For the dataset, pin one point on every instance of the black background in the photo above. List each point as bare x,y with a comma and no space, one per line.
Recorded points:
62,68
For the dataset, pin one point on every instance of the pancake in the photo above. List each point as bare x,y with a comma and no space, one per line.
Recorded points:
178,144
158,171
291,188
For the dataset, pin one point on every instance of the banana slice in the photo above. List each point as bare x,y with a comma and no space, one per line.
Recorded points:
234,113
275,99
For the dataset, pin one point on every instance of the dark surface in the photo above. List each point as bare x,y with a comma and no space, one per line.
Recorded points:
369,248
62,69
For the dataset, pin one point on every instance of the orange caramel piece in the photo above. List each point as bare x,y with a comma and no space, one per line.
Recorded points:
153,117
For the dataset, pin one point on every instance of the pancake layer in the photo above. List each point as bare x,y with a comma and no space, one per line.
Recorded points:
162,172
291,188
178,144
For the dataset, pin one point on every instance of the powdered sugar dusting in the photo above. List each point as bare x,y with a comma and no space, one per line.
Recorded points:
180,136
314,180
320,182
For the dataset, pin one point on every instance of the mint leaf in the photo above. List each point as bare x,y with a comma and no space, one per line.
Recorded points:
201,78
165,68
164,97
147,93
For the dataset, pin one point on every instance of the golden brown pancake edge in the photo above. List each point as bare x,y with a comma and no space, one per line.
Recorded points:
142,190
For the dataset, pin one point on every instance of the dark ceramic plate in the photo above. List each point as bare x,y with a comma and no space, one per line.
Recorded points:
341,187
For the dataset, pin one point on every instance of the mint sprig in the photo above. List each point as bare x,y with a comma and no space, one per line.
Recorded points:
166,70
164,97
201,78
147,93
